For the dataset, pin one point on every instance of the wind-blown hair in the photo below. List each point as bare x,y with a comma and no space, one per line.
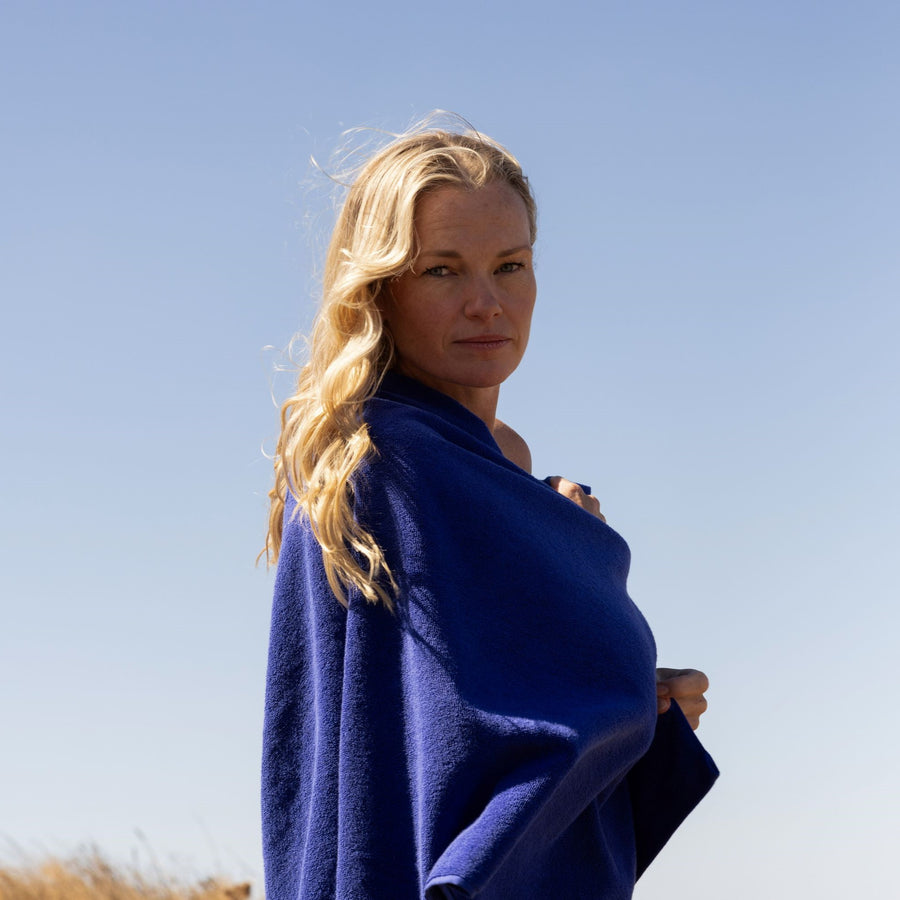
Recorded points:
324,438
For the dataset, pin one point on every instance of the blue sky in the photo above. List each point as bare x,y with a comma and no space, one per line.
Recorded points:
714,351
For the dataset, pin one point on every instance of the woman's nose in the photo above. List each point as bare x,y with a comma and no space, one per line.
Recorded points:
482,301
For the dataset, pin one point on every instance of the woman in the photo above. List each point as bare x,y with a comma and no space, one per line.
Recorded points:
479,714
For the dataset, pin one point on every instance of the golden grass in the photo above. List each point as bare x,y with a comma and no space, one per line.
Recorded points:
90,877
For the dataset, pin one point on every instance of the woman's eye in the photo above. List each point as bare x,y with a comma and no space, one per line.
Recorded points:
511,267
437,271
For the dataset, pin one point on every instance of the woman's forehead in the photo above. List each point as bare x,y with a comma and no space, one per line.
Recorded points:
452,210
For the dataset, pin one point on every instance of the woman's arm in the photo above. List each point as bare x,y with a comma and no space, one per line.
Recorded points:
685,686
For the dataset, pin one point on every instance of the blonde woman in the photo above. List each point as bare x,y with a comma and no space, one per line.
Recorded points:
462,699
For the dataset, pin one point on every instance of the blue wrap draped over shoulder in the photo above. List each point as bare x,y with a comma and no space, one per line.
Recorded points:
494,737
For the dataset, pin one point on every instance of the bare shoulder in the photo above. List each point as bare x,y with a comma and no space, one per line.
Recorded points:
512,445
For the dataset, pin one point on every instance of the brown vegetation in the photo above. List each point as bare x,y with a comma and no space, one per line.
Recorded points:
90,877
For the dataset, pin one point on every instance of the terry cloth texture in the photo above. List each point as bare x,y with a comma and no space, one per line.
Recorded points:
477,743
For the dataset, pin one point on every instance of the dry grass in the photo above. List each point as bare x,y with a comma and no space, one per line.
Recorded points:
90,877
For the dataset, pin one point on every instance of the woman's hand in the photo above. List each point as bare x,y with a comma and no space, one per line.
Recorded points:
577,495
686,687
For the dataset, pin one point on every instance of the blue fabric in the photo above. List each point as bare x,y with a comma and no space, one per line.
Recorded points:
475,743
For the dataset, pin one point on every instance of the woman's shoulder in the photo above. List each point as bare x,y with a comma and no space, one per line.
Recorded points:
512,445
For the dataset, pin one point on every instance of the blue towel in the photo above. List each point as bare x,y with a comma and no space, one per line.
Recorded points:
496,736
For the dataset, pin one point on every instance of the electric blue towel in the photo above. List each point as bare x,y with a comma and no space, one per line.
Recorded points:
477,743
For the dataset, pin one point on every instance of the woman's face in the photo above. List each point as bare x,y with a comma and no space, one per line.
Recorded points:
460,318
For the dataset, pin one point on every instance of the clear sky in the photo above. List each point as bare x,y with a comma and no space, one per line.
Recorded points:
714,351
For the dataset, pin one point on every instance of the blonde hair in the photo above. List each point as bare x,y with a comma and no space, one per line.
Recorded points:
324,438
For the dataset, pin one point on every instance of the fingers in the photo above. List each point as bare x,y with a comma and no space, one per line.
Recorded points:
693,708
574,492
683,682
686,687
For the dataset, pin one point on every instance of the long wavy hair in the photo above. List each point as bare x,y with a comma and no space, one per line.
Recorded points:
324,438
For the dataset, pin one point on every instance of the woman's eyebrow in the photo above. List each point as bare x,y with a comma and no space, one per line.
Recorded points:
451,254
454,254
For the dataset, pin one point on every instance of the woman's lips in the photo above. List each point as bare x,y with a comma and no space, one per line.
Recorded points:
486,341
